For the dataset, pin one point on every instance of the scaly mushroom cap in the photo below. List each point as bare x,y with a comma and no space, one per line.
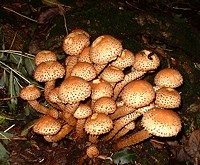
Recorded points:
101,88
84,70
47,71
98,124
138,93
168,77
92,151
125,60
104,49
146,61
47,125
83,111
112,74
161,122
30,92
75,42
167,98
74,89
45,55
104,105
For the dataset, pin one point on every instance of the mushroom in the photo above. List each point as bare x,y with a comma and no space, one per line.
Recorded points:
105,49
98,124
47,125
75,42
158,122
66,129
146,60
45,55
167,98
84,70
73,90
82,113
138,93
48,72
168,77
92,151
104,105
100,88
31,93
112,75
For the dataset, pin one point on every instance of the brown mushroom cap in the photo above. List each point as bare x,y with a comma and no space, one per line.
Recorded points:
101,88
138,93
30,92
74,89
125,60
98,124
53,95
144,61
104,49
47,71
45,55
83,111
92,151
168,77
161,122
47,125
112,74
104,105
76,41
167,98
84,70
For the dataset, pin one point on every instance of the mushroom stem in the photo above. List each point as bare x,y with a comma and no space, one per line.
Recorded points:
66,129
70,62
41,109
80,127
69,118
120,123
132,140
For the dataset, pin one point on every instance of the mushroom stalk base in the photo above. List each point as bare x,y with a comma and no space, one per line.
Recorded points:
132,140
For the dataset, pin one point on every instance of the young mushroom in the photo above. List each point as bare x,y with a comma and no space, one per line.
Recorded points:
31,93
167,98
168,77
158,122
47,125
74,89
43,56
48,72
105,49
81,114
138,93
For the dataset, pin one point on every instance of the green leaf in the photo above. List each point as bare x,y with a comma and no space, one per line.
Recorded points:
15,59
4,154
123,157
30,66
4,80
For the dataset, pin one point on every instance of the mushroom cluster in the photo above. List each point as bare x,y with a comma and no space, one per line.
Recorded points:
101,92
